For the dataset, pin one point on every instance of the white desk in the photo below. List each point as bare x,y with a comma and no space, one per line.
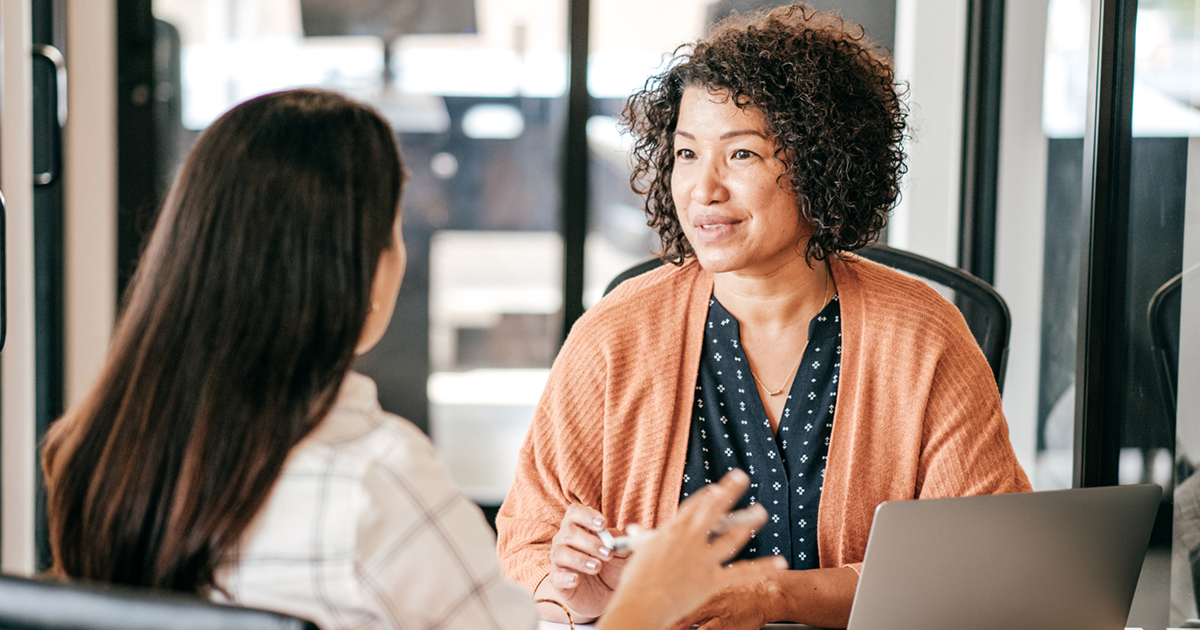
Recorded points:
548,625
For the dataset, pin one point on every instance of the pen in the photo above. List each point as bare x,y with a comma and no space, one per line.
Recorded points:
635,539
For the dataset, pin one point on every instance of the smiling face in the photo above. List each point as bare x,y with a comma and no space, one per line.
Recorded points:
730,191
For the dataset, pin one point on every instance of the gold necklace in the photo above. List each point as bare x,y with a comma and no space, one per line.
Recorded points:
776,392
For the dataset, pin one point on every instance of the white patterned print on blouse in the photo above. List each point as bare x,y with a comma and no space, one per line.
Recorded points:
730,430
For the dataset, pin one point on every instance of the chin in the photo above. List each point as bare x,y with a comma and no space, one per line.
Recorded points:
719,264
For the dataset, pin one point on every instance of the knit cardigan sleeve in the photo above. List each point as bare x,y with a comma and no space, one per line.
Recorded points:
560,463
610,431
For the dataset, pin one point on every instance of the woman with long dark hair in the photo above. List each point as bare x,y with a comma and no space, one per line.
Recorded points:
228,450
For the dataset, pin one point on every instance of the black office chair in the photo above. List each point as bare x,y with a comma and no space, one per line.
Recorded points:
1164,315
985,311
35,604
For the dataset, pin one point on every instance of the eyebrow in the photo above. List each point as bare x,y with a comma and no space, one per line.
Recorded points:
729,134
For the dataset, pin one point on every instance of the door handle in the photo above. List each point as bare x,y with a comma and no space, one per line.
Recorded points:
55,57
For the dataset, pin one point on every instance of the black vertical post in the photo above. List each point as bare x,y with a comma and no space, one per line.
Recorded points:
49,74
575,164
137,154
981,138
1100,363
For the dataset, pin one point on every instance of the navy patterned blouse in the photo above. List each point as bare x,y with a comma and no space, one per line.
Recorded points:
730,430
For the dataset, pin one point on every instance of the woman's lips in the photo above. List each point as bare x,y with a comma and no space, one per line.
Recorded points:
711,228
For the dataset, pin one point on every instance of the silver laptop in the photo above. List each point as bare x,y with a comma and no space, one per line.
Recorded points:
1054,560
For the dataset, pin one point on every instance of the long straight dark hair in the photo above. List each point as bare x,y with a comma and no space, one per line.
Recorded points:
238,328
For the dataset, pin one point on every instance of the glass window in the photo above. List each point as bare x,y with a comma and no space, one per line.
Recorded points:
1160,436
474,90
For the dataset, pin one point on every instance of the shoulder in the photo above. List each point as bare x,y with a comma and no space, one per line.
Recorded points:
890,302
664,294
650,291
358,439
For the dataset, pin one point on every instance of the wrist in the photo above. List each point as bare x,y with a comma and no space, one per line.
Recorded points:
776,604
556,606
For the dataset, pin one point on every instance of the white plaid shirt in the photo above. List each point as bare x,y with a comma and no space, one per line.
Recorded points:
364,529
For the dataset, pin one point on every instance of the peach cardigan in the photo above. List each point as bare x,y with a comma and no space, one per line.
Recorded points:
918,413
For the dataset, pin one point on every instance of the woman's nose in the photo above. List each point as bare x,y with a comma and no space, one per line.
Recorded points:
708,185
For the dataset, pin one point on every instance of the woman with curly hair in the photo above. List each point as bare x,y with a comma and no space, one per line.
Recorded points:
768,152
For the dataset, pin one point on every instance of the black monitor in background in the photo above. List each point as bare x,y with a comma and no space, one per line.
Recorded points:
386,19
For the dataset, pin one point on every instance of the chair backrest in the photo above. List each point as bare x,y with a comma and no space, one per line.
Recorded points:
985,311
1165,319
35,604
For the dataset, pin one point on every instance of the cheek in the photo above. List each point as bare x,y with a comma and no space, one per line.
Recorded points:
401,263
681,195
677,194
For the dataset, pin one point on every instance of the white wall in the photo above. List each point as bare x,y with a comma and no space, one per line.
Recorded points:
90,164
1021,215
930,54
17,359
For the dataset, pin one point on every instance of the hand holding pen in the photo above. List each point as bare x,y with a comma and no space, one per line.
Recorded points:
587,561
681,565
637,536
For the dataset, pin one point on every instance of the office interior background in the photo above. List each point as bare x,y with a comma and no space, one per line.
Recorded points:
1054,152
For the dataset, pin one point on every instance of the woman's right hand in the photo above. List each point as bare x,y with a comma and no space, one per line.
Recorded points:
583,572
683,565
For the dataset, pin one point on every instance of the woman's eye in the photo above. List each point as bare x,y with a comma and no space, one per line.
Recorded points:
742,154
684,154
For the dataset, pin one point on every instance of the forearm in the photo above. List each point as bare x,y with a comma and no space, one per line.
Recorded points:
817,597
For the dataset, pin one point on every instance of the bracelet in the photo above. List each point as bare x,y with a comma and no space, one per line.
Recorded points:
567,611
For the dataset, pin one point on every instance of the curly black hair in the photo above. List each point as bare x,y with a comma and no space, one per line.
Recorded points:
830,100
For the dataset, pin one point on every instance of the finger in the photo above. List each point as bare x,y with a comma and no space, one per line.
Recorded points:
740,531
584,516
712,502
562,557
583,540
563,580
